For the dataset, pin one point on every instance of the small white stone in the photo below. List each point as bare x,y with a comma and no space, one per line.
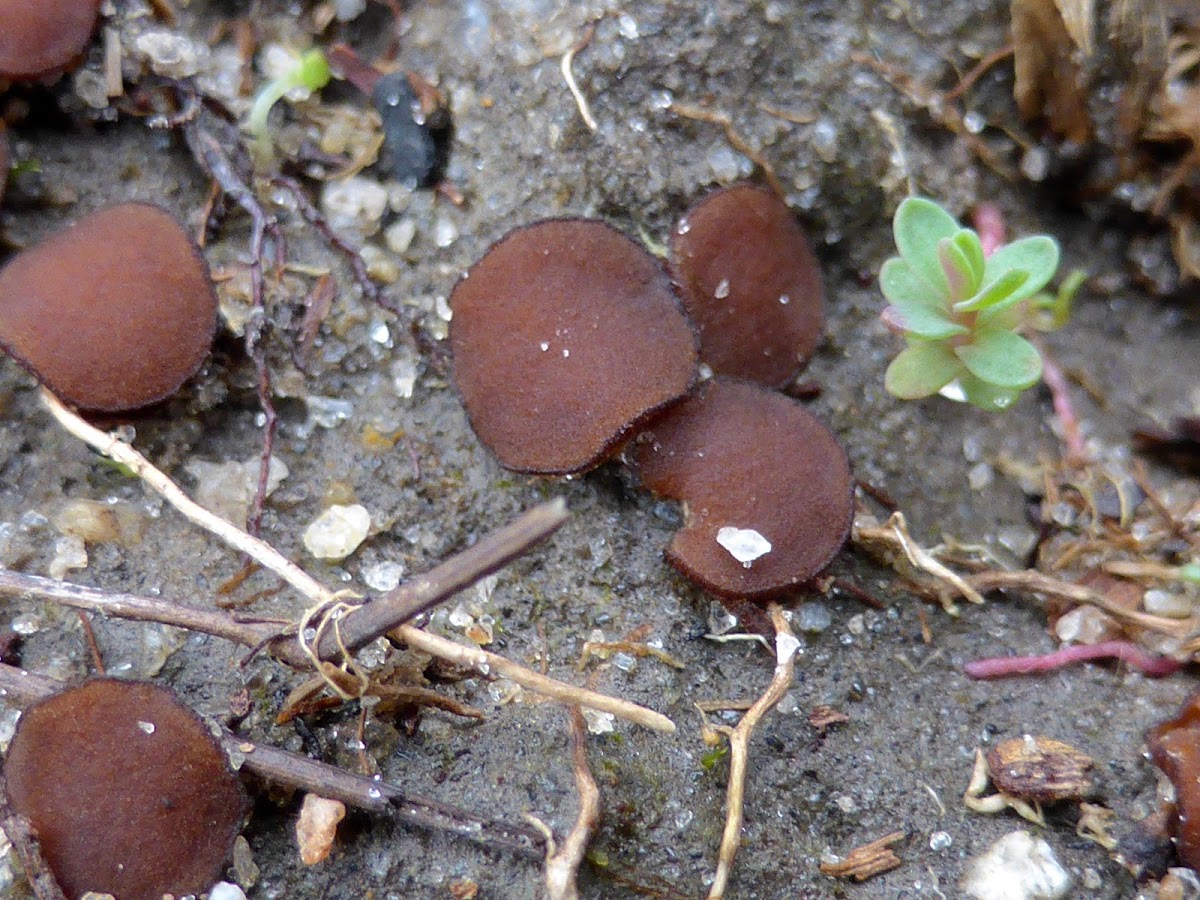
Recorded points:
598,722
384,576
170,54
721,291
744,544
69,553
1017,867
225,890
399,235
1169,604
337,532
317,827
404,376
354,204
147,727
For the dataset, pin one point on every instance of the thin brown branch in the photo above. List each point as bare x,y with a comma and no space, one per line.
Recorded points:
490,663
89,636
423,592
1039,583
135,608
739,143
385,613
978,71
786,646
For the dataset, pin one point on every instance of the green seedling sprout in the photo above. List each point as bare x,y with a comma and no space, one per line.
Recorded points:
311,73
962,313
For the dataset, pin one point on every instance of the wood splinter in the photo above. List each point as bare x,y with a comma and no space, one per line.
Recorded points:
866,861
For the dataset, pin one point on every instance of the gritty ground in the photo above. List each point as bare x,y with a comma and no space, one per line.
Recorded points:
522,152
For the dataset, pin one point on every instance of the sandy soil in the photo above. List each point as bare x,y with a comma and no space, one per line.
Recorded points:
522,152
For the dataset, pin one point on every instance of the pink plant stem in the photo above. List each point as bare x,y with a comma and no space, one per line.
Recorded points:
1060,396
1149,664
989,225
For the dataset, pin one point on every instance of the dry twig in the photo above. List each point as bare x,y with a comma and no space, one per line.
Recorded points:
786,646
893,536
585,111
739,143
562,863
363,623
866,861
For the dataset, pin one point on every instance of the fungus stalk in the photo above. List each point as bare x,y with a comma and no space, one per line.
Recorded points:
786,646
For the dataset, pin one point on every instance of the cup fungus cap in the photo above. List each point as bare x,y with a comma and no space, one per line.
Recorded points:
112,313
40,38
766,488
1174,747
566,335
749,279
129,792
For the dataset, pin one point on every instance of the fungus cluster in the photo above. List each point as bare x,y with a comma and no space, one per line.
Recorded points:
112,313
128,791
568,338
44,38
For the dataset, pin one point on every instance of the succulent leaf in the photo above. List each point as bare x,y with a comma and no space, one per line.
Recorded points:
918,227
1002,358
1037,256
968,242
956,266
986,396
1002,293
924,368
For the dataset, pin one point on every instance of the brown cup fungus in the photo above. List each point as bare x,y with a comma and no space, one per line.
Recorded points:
566,335
750,281
112,313
1175,748
127,789
766,488
43,38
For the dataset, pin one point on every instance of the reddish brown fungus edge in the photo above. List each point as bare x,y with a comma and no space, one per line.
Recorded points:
1174,747
606,446
692,430
145,398
745,238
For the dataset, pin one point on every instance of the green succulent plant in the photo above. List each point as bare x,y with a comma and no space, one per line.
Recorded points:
962,313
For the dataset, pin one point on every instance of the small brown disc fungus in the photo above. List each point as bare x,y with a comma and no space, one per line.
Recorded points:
40,38
112,313
766,488
129,792
1175,748
750,280
566,335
